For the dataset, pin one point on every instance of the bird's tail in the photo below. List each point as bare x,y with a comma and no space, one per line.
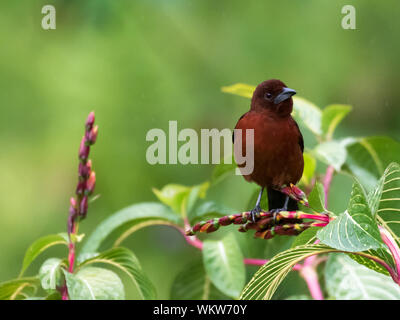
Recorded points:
276,200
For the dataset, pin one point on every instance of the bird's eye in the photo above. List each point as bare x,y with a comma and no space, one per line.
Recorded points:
268,96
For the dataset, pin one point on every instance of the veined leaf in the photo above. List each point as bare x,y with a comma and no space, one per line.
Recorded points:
129,220
332,153
304,110
124,260
267,279
381,253
332,115
355,229
223,262
18,289
386,199
367,158
92,283
50,273
348,280
193,284
39,246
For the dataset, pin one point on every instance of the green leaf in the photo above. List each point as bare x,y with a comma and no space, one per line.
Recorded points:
348,280
381,254
240,89
308,113
304,110
173,195
309,168
50,274
224,169
39,246
308,236
193,284
196,192
267,279
386,199
367,158
18,289
124,260
332,115
208,210
128,220
316,198
223,262
332,153
93,283
355,229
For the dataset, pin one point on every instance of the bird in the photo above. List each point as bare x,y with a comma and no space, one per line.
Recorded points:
278,145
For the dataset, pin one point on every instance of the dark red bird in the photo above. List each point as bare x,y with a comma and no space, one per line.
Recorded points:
278,144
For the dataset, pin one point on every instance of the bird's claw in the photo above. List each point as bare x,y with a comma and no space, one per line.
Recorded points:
255,213
275,213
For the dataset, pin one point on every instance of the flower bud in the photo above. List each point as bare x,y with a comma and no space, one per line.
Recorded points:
72,201
83,150
90,121
83,207
92,135
90,183
84,169
80,188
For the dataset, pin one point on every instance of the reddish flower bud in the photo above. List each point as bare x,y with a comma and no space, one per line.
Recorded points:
83,206
72,201
90,121
226,220
83,150
92,135
90,183
80,188
84,169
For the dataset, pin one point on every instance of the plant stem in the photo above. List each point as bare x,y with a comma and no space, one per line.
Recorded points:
327,182
394,249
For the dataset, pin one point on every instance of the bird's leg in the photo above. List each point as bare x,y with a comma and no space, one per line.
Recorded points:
284,208
257,209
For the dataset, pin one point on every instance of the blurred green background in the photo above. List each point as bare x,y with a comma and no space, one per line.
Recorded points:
139,64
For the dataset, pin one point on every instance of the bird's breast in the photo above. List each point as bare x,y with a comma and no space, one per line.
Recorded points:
278,157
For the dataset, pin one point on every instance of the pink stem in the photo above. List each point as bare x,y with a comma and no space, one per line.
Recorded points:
309,274
327,182
394,249
71,261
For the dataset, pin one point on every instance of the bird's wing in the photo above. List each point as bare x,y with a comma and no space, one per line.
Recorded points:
233,133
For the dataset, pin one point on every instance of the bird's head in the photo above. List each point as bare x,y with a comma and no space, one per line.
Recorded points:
273,95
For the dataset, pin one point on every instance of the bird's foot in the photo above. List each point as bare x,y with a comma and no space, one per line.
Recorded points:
275,213
255,213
